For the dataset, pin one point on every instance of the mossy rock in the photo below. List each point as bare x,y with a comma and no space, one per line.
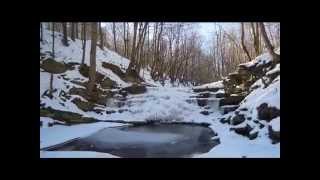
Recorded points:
52,66
83,105
135,89
65,116
107,83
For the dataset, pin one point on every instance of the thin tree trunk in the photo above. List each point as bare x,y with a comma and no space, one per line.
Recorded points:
72,32
276,57
84,42
53,56
41,32
242,42
124,39
92,70
65,34
77,32
101,36
132,60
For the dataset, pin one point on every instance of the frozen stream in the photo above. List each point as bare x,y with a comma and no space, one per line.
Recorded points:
162,140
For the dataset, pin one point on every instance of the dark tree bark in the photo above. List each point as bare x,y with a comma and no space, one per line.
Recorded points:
256,38
124,39
242,42
76,31
53,56
114,37
92,70
83,42
72,32
65,34
276,57
101,36
41,32
133,51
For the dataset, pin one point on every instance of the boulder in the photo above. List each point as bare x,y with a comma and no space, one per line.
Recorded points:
243,130
237,119
267,113
135,89
52,66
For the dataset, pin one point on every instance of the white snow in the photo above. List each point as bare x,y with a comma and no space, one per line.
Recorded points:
75,154
275,124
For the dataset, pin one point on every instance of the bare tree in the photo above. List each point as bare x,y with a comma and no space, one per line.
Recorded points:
41,32
76,31
53,56
92,70
242,42
256,37
276,57
124,39
133,51
72,32
101,36
83,42
65,34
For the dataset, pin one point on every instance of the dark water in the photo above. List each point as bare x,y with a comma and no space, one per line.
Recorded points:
164,140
